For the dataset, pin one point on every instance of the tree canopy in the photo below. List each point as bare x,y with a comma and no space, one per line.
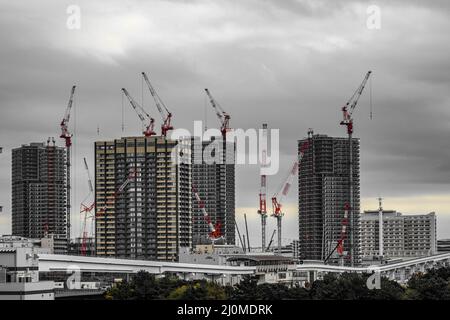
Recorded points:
433,285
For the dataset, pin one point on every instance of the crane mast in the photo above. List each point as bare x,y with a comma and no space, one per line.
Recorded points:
277,199
145,118
67,136
214,229
347,121
85,211
167,115
263,188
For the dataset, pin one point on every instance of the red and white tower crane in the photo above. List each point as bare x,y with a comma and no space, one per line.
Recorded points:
223,117
166,115
263,188
277,199
67,136
214,229
85,211
147,121
347,121
111,200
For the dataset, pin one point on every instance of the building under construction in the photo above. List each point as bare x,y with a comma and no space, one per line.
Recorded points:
39,193
143,199
215,184
323,182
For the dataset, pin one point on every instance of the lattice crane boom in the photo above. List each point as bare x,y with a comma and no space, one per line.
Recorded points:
85,210
223,117
215,233
166,115
131,176
145,118
350,106
348,221
278,197
65,134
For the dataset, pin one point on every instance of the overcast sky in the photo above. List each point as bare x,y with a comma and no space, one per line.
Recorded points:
289,63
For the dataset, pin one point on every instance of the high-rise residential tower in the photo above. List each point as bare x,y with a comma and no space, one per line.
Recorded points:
403,236
39,192
215,184
143,199
323,183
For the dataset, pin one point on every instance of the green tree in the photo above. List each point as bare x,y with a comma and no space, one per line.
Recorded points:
246,289
120,291
352,286
297,292
272,292
145,286
433,285
200,290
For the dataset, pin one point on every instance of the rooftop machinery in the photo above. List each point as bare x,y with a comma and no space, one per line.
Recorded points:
147,121
67,136
166,115
278,197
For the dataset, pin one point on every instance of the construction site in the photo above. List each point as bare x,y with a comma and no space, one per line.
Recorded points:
141,204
